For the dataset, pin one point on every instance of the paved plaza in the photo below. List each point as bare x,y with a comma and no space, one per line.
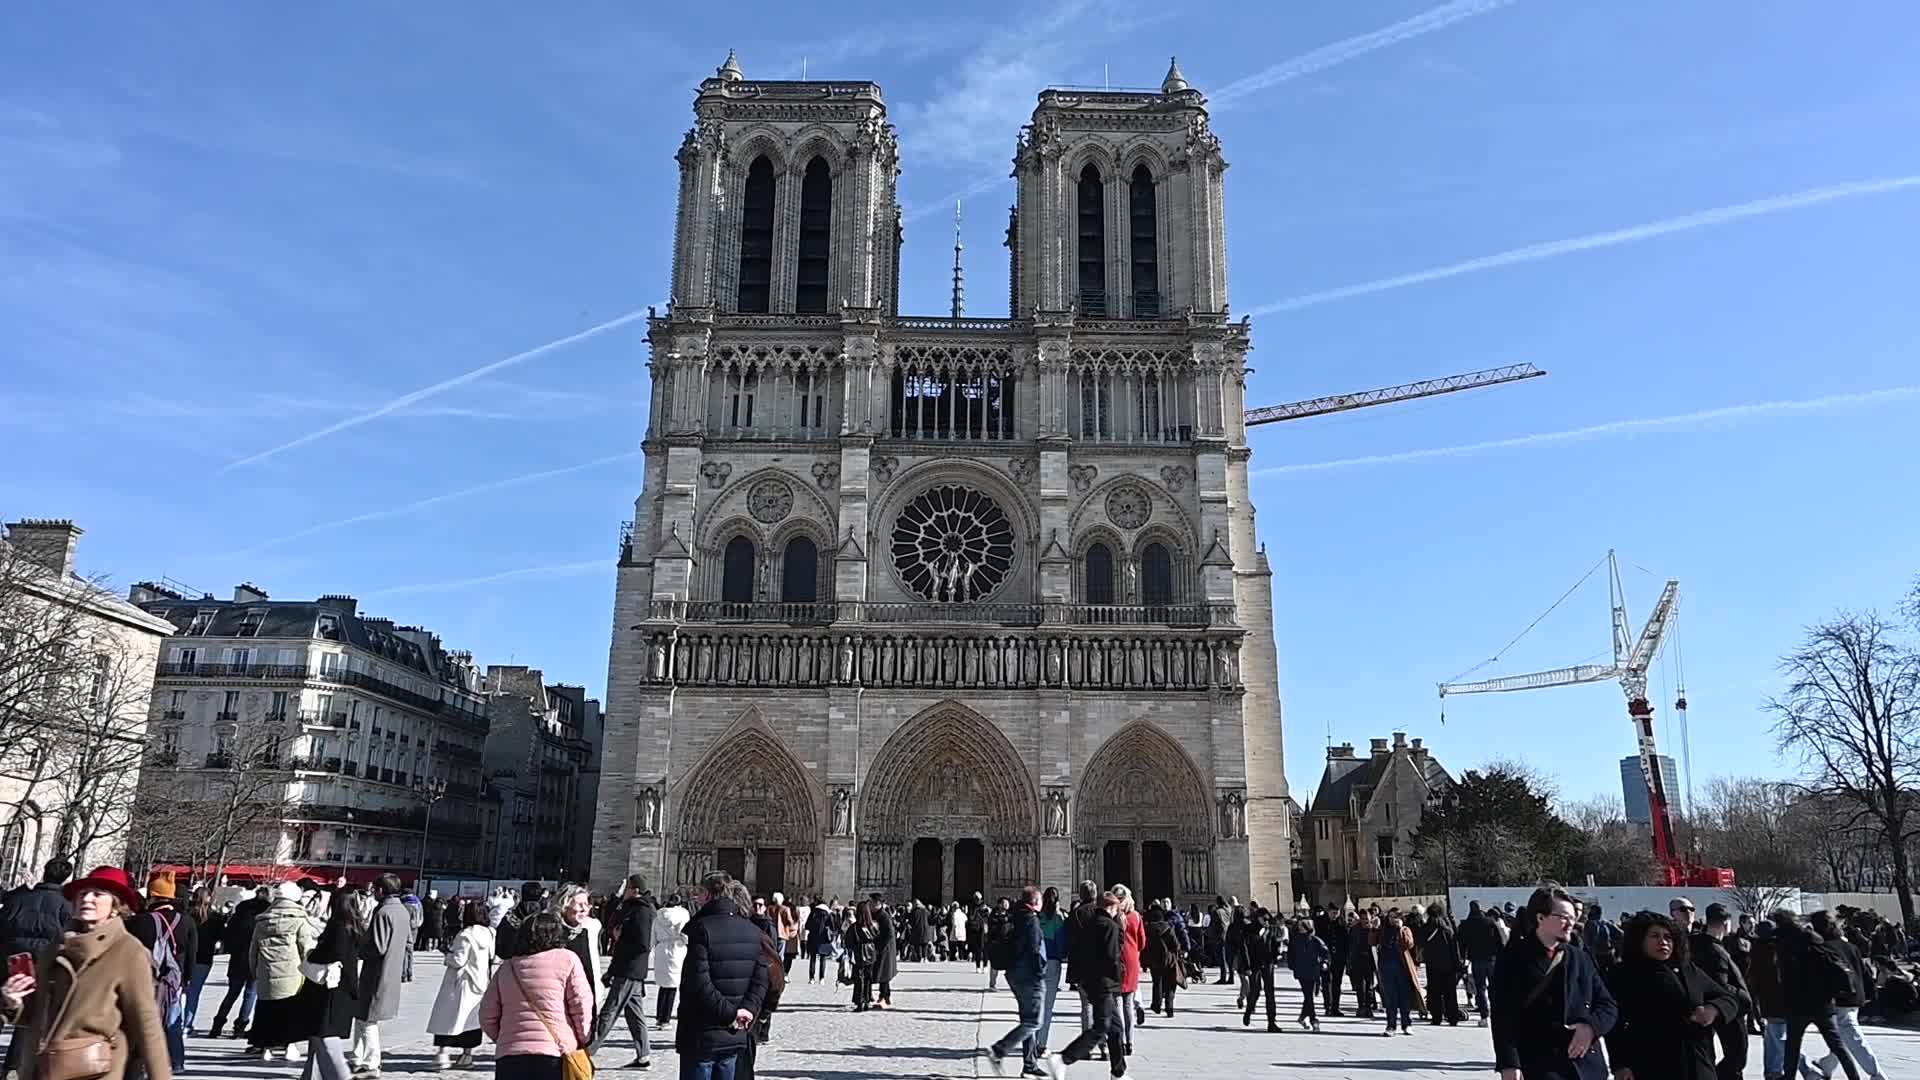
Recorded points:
943,1017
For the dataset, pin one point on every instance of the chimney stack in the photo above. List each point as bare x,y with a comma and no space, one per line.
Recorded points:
248,593
1379,747
1399,740
1343,752
47,542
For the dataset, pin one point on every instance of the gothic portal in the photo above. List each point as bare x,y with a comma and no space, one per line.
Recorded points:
931,606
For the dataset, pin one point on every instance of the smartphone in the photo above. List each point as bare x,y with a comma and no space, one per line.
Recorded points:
20,963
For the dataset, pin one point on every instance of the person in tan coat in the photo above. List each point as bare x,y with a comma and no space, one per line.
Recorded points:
91,992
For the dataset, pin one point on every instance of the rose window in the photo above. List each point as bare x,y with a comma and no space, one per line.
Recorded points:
953,544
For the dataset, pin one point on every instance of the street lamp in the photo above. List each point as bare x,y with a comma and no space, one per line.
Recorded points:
428,792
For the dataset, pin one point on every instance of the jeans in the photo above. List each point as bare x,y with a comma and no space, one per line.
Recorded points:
1106,1025
1129,1005
1027,997
1481,970
366,1045
817,966
1308,984
1846,1020
1164,986
1330,982
247,992
1829,1033
1773,1048
1255,982
176,1033
328,1057
194,986
1363,996
627,996
1050,989
1397,1002
720,1068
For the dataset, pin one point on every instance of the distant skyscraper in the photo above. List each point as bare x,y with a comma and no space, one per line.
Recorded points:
1633,787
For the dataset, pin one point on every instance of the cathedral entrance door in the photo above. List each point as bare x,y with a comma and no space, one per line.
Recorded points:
769,871
929,870
969,869
1156,870
1117,864
733,860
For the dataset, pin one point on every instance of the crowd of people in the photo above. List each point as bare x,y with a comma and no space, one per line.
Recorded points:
107,982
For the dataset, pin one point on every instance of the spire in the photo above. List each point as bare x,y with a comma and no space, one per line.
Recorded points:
1174,82
959,275
730,71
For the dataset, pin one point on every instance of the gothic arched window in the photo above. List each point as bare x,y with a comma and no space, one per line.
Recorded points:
1156,575
736,571
1093,243
800,572
1099,571
1145,238
756,238
816,239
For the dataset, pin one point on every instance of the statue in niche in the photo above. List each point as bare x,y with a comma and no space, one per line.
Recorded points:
1233,815
650,812
842,812
1056,813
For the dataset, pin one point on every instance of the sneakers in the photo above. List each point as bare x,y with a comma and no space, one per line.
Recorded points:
1051,1066
1483,1021
1388,1033
442,1060
645,1063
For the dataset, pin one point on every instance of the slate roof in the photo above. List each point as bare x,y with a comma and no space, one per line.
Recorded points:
300,619
1343,777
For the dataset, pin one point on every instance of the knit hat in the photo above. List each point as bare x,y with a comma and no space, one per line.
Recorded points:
288,890
160,885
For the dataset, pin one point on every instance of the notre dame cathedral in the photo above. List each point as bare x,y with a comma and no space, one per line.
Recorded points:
930,606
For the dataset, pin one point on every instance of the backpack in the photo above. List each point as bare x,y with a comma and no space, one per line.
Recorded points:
1000,947
166,964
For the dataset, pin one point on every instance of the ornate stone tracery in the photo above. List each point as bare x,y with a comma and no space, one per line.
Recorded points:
1140,786
750,793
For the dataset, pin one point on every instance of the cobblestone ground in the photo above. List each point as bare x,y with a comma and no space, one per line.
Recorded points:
944,1016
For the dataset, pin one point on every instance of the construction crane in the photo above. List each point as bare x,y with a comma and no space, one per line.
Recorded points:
1632,656
1388,395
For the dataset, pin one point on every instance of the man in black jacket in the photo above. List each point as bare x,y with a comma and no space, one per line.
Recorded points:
1261,946
237,941
1094,953
722,985
1480,944
1550,1006
627,971
1025,953
1708,949
1848,1002
1085,906
1811,978
1334,933
36,918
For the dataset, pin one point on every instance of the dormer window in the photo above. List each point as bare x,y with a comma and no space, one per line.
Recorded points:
250,623
202,622
328,626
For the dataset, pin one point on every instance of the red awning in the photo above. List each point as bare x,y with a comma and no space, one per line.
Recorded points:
235,871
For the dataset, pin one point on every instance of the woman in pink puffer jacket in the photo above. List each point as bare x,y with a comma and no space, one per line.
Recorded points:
539,1005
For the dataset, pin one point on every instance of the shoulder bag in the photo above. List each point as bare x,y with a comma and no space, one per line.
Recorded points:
80,1057
574,1064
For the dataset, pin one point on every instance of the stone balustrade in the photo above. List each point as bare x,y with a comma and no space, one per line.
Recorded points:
926,658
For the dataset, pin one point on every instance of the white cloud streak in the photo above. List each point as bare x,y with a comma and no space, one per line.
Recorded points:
435,500
520,574
1339,52
441,387
1724,414
1553,249
974,129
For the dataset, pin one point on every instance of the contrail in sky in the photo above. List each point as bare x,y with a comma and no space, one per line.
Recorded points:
1353,48
434,500
441,387
1553,249
555,570
1307,63
1892,394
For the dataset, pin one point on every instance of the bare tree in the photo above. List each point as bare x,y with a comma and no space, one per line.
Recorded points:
1612,849
1851,716
43,622
97,748
225,809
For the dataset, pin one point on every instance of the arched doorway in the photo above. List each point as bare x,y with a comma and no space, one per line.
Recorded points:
750,810
1145,819
948,790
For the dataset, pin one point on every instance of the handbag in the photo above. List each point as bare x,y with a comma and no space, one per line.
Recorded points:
80,1057
574,1064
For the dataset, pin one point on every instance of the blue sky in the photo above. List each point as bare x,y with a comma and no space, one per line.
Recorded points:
224,229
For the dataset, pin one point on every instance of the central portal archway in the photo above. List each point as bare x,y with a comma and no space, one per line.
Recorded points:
948,794
1144,817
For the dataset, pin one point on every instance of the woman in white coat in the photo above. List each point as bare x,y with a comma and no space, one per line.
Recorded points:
669,952
455,1023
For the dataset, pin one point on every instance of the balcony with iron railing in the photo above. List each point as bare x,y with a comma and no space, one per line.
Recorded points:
199,670
219,760
226,718
322,718
174,714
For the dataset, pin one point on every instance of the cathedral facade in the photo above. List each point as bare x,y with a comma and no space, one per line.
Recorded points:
930,606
